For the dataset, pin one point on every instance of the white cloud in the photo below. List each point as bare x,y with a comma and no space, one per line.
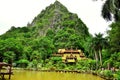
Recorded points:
20,12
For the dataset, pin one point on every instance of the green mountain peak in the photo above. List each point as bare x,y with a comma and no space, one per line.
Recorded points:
56,17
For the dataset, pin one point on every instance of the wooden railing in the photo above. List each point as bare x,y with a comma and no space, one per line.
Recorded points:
5,69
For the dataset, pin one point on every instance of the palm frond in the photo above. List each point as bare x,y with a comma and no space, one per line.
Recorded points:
106,13
111,7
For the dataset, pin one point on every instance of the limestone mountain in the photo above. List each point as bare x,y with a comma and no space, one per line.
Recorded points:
56,17
54,28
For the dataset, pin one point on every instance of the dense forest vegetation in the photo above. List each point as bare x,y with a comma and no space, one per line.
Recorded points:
52,29
55,27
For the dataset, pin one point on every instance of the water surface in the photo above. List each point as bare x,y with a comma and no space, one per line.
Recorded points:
37,75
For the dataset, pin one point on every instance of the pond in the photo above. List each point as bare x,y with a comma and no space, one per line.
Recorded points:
37,75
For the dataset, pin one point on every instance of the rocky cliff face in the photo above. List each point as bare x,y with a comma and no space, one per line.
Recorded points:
56,17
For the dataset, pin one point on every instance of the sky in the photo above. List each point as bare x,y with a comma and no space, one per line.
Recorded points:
19,12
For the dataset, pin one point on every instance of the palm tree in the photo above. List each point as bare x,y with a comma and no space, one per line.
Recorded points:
98,43
111,7
101,43
93,49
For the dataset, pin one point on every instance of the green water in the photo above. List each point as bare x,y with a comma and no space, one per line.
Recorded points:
36,75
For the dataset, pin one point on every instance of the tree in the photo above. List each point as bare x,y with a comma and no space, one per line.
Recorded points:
68,38
111,7
11,48
111,11
98,43
114,37
44,47
93,48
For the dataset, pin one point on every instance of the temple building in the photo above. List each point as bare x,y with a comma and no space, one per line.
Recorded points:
70,55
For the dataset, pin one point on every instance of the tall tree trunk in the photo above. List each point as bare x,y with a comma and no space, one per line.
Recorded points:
100,55
96,57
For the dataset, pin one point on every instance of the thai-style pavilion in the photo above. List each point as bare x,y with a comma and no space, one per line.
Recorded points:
70,55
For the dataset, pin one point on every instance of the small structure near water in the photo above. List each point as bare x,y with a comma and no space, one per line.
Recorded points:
5,69
70,55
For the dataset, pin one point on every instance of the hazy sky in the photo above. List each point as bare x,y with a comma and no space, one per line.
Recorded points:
19,12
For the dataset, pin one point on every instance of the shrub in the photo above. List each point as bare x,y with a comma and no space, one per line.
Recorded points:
23,63
117,75
108,73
